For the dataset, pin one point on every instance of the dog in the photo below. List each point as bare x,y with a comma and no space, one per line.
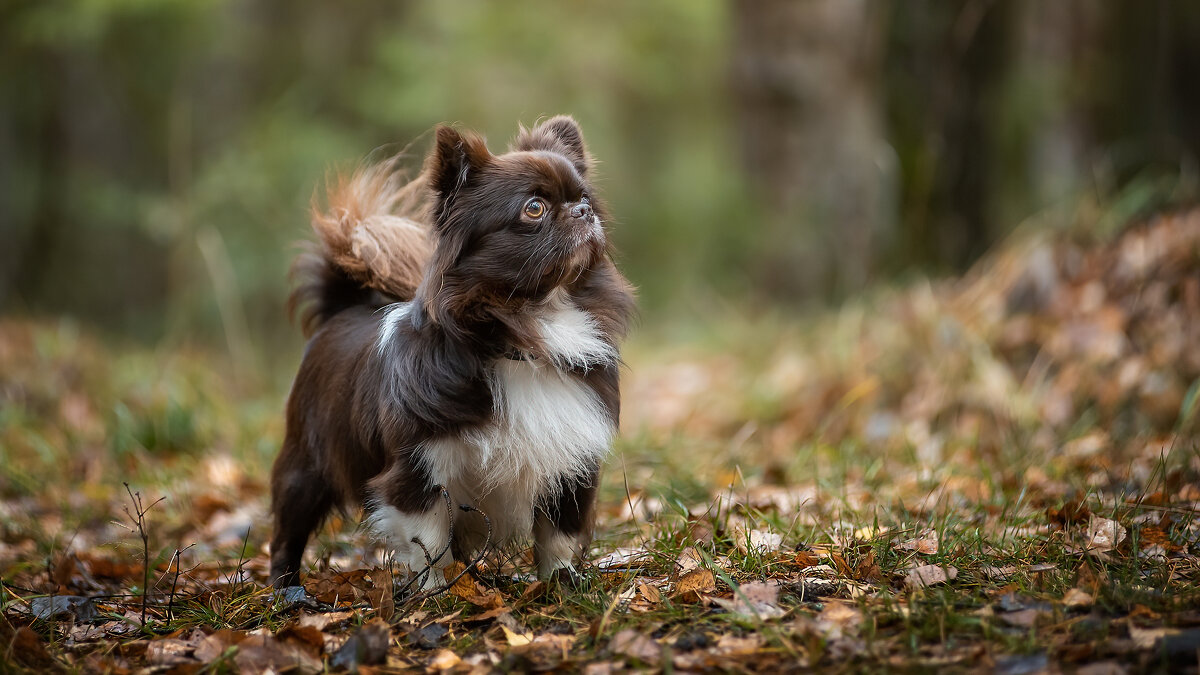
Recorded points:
464,331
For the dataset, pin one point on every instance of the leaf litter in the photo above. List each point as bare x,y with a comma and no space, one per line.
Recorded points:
1007,454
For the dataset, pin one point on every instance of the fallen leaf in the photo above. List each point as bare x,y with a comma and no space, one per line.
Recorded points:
925,542
63,607
214,646
633,644
692,585
1077,597
444,660
307,638
732,645
600,668
25,646
324,621
929,575
338,587
1146,638
838,620
367,646
1072,512
759,542
533,591
262,653
650,594
1101,668
381,593
804,559
1022,618
621,558
514,638
688,560
1104,534
428,636
465,586
168,652
993,572
754,600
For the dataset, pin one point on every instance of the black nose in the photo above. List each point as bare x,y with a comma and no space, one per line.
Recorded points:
582,210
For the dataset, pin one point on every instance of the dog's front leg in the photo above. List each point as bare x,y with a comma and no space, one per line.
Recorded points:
562,528
414,519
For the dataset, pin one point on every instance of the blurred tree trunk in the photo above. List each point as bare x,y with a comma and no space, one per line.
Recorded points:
946,69
806,77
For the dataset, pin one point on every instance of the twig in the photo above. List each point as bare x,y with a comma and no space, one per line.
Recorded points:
429,560
175,582
482,552
139,522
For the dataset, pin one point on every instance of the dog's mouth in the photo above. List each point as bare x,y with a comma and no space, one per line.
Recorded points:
587,229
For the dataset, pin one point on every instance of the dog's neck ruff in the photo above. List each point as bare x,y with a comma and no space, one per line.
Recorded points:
570,338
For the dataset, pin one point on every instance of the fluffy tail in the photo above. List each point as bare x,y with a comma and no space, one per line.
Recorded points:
373,244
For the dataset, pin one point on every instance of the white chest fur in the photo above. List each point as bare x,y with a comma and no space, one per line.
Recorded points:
548,429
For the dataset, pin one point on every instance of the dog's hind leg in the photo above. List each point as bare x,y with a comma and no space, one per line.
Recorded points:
300,500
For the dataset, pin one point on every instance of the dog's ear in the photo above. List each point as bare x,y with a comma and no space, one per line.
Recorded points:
455,158
559,134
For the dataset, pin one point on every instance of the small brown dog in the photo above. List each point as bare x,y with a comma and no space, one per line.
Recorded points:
470,344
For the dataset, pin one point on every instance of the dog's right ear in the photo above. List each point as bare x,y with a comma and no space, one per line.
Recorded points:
455,158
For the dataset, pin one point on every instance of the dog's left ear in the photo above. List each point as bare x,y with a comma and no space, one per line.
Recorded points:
559,134
453,163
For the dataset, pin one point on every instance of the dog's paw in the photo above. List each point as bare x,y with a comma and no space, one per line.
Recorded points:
567,577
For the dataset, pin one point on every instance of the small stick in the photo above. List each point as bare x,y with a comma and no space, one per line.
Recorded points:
482,552
139,522
429,560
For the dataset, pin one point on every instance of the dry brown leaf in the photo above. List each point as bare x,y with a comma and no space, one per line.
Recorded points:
168,652
694,584
759,542
992,572
838,620
323,621
338,587
381,593
465,586
514,638
1101,668
732,645
804,559
635,645
929,575
307,638
212,647
1077,597
260,653
444,660
925,542
1022,618
755,600
1104,534
1146,638
688,560
650,594
533,591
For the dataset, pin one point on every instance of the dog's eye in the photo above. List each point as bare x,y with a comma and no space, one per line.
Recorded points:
535,208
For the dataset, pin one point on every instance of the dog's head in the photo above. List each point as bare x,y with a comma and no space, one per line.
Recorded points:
511,227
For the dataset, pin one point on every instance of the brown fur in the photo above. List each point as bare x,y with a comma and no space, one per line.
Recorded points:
454,243
374,227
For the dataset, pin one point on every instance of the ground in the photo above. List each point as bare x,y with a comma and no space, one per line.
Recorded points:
998,472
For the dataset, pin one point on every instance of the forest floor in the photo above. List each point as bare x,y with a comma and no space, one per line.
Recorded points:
999,472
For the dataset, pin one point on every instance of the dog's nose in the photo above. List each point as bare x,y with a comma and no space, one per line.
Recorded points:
582,210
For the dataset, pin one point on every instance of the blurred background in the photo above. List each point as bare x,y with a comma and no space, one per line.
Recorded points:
157,157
